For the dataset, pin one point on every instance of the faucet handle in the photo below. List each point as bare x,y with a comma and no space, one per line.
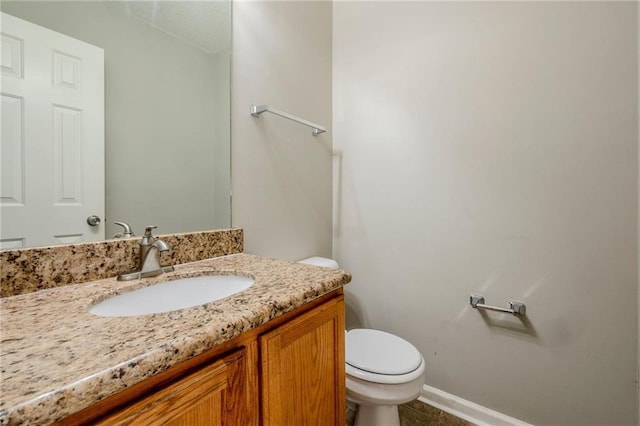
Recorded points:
148,238
148,229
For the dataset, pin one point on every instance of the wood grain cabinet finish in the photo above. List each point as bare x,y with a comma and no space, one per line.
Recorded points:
214,395
289,371
303,369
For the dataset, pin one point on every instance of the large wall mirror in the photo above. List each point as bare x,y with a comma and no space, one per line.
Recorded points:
165,115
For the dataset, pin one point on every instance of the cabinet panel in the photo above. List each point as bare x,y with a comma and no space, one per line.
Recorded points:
303,369
214,395
289,371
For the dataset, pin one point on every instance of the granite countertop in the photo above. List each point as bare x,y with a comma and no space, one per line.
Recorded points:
56,358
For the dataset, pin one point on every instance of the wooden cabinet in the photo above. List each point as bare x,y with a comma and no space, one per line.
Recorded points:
289,371
214,395
303,369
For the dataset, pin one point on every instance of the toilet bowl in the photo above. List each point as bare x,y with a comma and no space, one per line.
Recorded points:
382,370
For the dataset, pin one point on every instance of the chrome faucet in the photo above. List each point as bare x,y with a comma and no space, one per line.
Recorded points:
149,262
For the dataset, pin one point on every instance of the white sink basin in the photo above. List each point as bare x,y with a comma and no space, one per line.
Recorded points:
172,295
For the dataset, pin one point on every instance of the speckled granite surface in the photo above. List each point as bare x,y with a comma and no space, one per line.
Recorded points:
56,358
26,270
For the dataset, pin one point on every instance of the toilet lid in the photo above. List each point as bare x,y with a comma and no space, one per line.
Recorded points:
380,352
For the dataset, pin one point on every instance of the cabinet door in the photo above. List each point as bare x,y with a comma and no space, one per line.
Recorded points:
303,378
213,395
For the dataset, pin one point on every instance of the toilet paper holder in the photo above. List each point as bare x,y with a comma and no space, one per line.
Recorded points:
515,308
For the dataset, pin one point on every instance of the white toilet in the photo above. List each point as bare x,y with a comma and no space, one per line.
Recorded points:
383,370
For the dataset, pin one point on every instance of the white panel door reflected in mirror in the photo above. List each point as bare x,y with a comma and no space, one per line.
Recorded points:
52,160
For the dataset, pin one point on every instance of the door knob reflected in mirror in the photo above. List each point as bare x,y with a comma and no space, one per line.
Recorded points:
93,220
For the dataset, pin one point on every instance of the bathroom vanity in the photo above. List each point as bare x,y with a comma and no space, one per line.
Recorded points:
272,354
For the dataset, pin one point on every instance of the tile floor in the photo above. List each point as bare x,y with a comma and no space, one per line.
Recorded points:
416,413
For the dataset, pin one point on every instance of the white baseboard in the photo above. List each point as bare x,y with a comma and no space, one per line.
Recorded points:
467,410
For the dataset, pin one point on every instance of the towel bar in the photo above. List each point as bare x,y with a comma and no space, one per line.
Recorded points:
515,308
256,110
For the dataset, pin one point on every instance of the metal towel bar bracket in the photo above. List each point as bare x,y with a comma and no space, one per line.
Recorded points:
256,110
515,308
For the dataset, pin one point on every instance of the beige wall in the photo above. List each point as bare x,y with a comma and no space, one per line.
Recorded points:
492,148
281,174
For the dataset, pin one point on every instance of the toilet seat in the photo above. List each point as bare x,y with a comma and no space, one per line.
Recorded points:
380,357
385,379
